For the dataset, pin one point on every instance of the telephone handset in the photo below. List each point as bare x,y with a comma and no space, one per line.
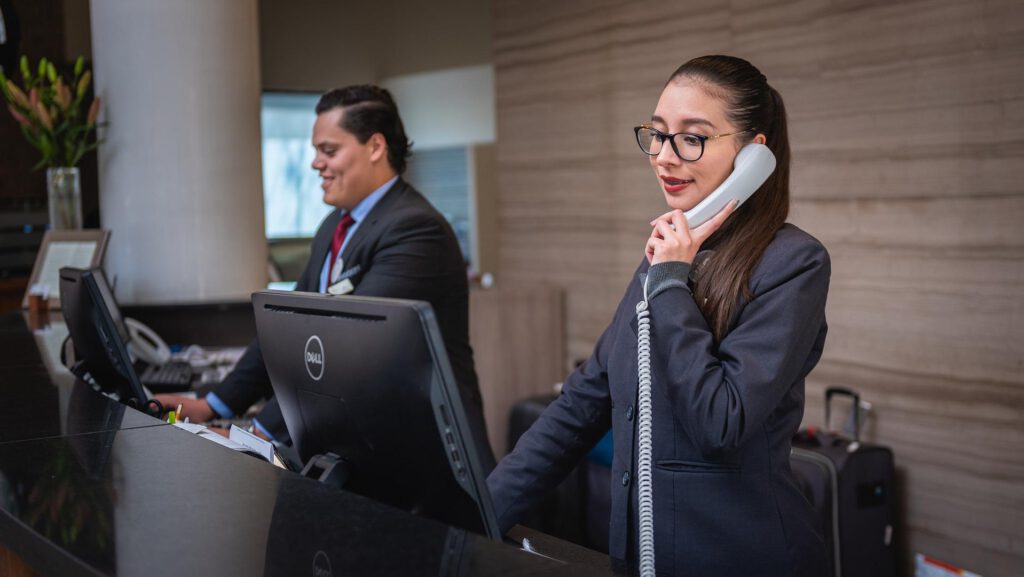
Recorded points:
753,165
145,345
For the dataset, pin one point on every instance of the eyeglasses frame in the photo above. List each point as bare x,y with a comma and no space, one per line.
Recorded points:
672,139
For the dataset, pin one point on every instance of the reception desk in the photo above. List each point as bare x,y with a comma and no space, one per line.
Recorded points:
91,487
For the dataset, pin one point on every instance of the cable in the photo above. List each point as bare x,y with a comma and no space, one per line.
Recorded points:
153,408
63,352
645,489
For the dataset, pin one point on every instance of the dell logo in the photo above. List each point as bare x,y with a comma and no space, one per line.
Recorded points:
321,565
315,358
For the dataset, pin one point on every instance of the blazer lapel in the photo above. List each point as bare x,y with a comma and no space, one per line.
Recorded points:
634,323
369,228
320,247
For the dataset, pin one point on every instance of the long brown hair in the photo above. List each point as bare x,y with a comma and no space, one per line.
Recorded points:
753,105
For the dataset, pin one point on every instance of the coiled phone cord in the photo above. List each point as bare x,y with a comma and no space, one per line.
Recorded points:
645,489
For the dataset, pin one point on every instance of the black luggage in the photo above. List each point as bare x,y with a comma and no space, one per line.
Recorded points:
851,486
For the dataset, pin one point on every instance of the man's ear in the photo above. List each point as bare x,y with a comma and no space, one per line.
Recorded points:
378,147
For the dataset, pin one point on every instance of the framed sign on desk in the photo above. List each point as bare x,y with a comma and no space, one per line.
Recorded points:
61,248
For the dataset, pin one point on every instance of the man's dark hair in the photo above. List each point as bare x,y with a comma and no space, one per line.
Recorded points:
370,109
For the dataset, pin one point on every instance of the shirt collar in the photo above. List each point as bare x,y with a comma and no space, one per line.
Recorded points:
366,205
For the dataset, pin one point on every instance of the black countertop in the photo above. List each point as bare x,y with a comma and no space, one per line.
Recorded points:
91,487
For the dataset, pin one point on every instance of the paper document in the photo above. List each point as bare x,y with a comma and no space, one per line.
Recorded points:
207,434
77,254
928,567
263,448
238,440
190,427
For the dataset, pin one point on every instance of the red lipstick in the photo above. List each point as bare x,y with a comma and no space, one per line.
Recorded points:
672,184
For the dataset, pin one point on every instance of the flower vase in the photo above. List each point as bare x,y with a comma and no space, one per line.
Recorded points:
64,190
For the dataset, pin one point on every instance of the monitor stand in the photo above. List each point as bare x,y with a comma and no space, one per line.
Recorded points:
329,469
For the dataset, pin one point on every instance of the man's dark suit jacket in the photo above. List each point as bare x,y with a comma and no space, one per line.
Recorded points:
403,249
725,501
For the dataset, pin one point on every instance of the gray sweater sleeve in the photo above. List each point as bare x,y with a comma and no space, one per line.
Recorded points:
666,275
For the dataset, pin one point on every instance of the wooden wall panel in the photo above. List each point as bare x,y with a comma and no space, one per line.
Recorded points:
907,126
517,334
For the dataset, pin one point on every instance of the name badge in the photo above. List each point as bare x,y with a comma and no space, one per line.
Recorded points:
341,280
348,273
342,287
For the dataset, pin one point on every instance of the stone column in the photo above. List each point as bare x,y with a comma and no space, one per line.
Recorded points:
179,167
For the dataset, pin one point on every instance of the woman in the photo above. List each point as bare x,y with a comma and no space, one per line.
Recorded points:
732,340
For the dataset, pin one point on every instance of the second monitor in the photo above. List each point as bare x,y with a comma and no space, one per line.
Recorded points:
100,337
368,380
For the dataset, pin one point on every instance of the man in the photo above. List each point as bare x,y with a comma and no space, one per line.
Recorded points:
384,240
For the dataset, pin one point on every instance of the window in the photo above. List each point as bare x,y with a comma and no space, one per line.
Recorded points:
292,200
442,176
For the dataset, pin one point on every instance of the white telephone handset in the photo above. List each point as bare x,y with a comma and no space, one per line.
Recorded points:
144,344
753,165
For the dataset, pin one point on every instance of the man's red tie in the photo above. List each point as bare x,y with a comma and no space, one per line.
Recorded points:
339,238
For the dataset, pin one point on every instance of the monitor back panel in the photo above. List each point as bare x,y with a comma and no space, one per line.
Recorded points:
368,380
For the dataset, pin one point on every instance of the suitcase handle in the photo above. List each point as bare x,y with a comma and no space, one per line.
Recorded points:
843,392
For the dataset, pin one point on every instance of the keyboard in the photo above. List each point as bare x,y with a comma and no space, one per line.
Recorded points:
173,376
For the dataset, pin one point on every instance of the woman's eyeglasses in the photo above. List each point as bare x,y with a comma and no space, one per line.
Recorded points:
686,145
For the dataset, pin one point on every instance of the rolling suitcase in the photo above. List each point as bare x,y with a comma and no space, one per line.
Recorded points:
851,486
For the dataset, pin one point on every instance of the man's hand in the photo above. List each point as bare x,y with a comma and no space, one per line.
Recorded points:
197,410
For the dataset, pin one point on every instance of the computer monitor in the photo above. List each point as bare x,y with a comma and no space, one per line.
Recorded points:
368,380
99,335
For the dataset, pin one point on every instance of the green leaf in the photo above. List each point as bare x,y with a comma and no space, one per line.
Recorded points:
79,152
68,148
84,151
69,137
31,138
25,74
83,84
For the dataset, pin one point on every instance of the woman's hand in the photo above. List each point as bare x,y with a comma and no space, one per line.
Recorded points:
672,240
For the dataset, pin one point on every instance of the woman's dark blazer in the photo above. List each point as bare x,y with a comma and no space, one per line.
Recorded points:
725,500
